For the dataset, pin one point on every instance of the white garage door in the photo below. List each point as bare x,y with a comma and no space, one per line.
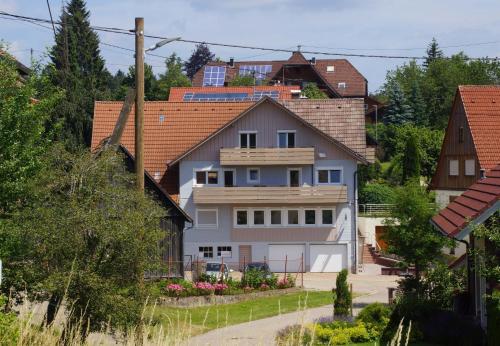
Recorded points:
292,254
328,258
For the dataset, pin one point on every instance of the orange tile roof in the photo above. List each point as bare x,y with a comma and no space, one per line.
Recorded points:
177,93
184,125
482,109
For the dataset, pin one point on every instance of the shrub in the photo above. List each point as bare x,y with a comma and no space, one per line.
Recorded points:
272,281
286,282
342,333
204,288
375,316
342,305
493,332
220,288
376,194
174,290
253,278
9,330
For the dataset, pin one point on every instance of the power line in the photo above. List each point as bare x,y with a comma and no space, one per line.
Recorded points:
51,19
130,32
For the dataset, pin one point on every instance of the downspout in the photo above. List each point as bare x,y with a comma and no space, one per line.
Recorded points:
356,221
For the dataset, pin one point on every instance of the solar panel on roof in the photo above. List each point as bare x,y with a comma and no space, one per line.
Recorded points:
274,94
216,97
260,71
214,75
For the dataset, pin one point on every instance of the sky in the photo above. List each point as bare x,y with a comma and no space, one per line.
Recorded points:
381,27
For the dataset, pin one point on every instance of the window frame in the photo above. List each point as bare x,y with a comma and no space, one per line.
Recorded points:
224,176
249,181
473,172
247,133
315,210
271,224
235,217
299,213
450,168
316,175
206,171
207,226
287,144
342,85
224,246
206,248
320,219
288,170
252,219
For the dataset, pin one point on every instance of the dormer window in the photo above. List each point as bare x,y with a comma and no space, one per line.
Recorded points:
342,85
248,139
286,139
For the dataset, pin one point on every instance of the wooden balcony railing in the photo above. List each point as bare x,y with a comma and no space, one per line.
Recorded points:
266,156
271,195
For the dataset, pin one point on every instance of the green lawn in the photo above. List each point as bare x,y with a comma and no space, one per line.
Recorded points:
207,318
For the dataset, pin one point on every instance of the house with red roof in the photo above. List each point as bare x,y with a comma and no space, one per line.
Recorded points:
471,147
236,93
474,206
336,77
270,180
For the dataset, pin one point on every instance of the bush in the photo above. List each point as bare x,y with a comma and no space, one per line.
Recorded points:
493,332
342,333
376,194
253,278
375,316
286,282
342,304
9,330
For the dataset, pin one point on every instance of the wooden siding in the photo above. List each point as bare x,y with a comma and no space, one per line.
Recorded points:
270,195
266,156
452,149
284,234
267,120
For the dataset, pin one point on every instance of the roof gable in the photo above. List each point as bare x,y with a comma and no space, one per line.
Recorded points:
482,110
360,156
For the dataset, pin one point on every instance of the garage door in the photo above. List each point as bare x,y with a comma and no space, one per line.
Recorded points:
292,253
328,258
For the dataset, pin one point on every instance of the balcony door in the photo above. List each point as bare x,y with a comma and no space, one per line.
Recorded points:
229,178
294,177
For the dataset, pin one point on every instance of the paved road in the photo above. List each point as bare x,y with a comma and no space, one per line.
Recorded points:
262,332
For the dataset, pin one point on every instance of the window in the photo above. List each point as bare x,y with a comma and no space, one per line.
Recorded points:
342,85
310,217
460,134
241,217
329,176
258,217
206,251
293,217
470,167
286,139
327,217
453,167
294,177
224,251
207,177
330,68
248,139
229,177
275,217
253,175
206,218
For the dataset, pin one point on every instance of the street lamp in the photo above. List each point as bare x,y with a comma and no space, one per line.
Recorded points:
162,43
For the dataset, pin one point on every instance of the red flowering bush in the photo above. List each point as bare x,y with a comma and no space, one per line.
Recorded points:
174,290
204,288
264,287
220,288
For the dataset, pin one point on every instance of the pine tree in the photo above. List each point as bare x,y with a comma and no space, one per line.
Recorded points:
78,68
433,52
199,58
411,159
343,299
398,111
173,77
417,104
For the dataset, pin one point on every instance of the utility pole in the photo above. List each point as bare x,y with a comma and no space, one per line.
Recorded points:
139,102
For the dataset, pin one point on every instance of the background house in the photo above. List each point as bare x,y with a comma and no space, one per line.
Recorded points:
471,145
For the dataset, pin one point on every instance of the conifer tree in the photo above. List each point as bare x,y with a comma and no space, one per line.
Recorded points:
199,58
411,159
433,52
78,68
417,104
398,111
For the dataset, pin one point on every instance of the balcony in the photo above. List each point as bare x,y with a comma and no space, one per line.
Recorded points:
271,195
266,156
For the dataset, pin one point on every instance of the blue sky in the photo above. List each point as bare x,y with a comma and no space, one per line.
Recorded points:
387,27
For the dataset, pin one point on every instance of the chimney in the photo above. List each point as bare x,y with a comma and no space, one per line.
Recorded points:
231,62
313,60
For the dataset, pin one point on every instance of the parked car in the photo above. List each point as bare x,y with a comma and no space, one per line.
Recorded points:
261,267
218,270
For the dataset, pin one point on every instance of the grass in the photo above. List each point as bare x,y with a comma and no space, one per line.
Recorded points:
203,319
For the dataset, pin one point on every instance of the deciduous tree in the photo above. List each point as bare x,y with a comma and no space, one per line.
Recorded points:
199,58
173,77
